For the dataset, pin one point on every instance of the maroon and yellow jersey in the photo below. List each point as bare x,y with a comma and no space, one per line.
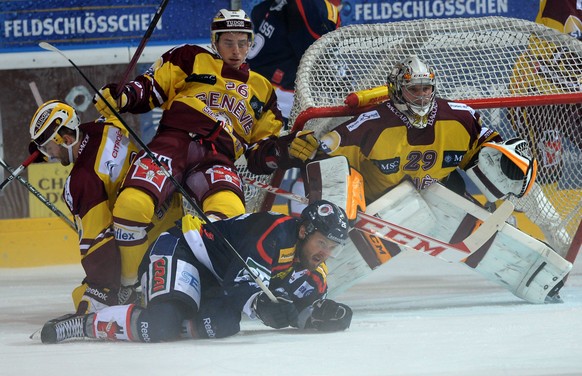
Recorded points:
92,186
196,89
383,146
562,15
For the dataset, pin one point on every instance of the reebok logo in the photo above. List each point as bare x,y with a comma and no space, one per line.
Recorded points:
90,291
145,335
208,327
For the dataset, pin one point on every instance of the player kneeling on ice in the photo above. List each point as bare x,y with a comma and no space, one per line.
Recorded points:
194,288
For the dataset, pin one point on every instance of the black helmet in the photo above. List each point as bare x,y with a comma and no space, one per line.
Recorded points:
327,218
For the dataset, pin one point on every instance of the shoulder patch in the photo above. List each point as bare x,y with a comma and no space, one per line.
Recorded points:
286,255
362,118
461,107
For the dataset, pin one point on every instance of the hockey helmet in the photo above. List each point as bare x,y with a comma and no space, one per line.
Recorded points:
232,21
407,73
327,218
49,119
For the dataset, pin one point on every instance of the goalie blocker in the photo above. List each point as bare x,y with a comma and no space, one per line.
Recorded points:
525,266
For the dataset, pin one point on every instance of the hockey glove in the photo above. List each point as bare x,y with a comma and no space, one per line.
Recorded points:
108,92
292,150
276,315
303,146
32,148
326,315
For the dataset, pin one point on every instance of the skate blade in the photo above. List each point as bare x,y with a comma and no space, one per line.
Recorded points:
35,335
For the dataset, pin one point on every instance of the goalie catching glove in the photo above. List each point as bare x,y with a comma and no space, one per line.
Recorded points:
325,315
504,168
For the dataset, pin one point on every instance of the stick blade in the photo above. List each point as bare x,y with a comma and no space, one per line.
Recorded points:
47,46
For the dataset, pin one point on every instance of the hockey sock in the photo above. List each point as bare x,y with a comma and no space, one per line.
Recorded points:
132,218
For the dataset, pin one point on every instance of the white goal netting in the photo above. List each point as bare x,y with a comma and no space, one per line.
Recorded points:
524,78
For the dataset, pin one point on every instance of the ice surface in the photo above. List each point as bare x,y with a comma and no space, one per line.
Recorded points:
416,315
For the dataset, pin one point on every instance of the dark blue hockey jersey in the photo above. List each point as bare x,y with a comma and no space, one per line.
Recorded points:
267,242
283,31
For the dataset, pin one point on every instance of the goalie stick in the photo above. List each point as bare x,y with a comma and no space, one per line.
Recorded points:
209,225
411,239
39,195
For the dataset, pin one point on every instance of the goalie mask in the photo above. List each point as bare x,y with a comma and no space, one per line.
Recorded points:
412,85
230,21
327,218
48,120
504,168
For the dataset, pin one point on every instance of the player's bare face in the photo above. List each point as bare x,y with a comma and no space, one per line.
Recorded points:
233,48
417,94
56,152
316,249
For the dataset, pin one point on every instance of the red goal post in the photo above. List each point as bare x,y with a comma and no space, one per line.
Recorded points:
524,79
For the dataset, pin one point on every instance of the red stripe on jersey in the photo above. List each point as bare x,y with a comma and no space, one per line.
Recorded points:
302,12
316,277
260,248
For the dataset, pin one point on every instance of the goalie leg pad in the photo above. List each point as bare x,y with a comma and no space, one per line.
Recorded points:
523,265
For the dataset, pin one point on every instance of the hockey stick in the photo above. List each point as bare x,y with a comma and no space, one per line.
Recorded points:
141,46
406,237
14,173
39,195
36,153
209,225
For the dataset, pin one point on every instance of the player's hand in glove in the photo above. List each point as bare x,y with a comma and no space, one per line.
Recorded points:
276,315
33,148
326,315
304,146
109,93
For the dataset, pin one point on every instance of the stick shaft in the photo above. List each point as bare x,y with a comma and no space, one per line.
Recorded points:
401,235
14,173
40,196
141,46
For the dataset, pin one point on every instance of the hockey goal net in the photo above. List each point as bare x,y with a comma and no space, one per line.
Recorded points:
524,78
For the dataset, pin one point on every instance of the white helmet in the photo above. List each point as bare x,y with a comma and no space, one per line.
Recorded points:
410,72
231,21
48,120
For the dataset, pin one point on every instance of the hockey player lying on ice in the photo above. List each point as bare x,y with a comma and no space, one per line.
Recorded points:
418,138
194,288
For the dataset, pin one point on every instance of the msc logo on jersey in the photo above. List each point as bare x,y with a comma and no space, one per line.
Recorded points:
452,158
388,166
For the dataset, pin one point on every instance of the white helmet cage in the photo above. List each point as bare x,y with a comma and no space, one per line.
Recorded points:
230,21
49,119
410,72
